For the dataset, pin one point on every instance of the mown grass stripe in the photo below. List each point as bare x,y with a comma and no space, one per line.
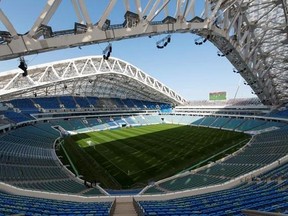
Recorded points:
134,156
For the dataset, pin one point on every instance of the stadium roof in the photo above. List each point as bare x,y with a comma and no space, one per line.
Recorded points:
251,34
86,76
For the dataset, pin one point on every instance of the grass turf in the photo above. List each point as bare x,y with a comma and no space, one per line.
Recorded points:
131,157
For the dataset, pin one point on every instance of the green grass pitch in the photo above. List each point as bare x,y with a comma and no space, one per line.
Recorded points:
132,157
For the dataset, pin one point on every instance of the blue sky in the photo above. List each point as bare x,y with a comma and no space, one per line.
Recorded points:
192,71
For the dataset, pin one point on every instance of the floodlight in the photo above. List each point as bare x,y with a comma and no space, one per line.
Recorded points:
107,52
23,66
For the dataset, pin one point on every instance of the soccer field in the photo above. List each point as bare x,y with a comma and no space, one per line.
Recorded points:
132,157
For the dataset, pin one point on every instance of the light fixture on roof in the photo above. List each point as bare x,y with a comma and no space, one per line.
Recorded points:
45,31
23,66
163,42
5,37
107,52
131,19
79,28
224,54
106,25
201,40
239,71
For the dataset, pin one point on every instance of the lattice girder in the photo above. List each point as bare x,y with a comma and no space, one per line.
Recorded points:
252,34
91,76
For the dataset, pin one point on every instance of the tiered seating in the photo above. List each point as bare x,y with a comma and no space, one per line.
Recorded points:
68,102
188,119
198,121
4,121
28,136
27,160
140,120
257,158
64,124
138,103
176,119
77,124
23,205
128,103
118,102
82,102
279,114
105,103
233,123
63,185
25,173
269,125
93,100
151,105
119,121
91,122
207,121
153,190
47,127
25,105
229,170
17,117
93,192
48,102
191,181
219,122
250,124
150,119
280,172
168,118
131,120
110,122
96,124
164,106
264,197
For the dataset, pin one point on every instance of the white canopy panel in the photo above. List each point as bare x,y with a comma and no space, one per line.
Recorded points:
86,76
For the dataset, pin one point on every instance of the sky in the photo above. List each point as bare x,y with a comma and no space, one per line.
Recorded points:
192,71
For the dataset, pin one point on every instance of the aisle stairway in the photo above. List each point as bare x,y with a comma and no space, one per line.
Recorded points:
124,208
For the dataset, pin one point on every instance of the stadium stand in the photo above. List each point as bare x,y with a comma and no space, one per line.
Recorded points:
48,103
25,105
28,160
281,172
16,117
23,205
82,102
68,102
267,197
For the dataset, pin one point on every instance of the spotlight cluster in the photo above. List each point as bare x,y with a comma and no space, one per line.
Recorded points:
107,52
163,42
200,40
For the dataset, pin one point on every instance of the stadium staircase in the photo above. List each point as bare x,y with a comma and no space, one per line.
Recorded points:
124,208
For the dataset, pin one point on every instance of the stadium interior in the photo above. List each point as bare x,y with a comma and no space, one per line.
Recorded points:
33,124
92,94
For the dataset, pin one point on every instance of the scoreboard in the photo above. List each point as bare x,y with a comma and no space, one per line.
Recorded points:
217,95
